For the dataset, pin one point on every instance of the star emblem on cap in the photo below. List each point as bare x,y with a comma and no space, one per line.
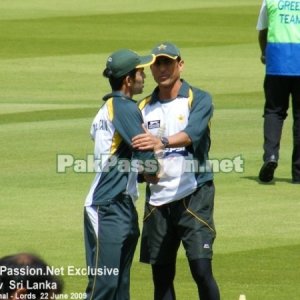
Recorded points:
162,47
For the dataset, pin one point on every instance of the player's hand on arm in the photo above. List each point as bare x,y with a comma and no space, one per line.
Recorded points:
146,141
180,139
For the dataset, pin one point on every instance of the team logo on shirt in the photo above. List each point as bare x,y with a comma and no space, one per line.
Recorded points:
153,124
206,246
180,118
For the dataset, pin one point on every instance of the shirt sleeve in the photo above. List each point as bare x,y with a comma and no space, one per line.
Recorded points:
128,122
262,22
200,115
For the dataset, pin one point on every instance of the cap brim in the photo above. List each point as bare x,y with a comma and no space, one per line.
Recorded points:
167,55
146,61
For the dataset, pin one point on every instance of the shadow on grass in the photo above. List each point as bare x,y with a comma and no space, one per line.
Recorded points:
273,182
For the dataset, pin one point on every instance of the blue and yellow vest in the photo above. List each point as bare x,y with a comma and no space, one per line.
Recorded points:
283,47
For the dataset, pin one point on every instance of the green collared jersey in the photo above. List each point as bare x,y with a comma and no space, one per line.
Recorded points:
117,165
184,168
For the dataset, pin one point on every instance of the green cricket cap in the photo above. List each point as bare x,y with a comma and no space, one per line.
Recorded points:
166,49
123,61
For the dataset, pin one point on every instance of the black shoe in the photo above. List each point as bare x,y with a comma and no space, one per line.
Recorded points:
266,173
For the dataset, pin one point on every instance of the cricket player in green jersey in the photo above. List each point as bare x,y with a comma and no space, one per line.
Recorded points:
110,217
179,207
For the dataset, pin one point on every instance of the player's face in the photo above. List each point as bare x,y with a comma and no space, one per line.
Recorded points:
138,82
166,71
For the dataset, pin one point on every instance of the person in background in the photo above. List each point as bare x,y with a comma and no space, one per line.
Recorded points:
279,40
26,276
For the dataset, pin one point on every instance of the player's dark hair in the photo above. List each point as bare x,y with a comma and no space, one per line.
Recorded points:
116,83
28,270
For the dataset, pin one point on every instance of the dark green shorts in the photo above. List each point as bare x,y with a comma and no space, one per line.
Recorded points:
189,220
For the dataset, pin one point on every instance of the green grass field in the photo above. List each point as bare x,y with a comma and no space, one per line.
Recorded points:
52,55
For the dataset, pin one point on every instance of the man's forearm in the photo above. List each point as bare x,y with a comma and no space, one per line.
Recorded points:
262,40
180,139
147,141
